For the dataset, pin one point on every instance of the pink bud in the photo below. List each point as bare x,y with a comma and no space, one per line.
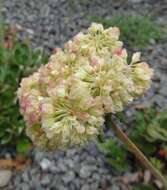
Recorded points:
118,52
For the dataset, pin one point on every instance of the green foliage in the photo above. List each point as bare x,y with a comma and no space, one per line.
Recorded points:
138,133
157,130
148,131
143,187
16,60
136,31
116,155
157,163
23,145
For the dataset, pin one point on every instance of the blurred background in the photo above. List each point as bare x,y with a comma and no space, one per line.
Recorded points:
29,32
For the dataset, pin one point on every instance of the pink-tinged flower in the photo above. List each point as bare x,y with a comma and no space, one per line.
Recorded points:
94,61
56,50
32,119
120,53
65,101
113,32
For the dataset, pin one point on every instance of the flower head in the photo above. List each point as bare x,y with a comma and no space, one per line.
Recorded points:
64,102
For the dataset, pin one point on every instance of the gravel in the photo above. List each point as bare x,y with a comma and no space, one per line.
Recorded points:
49,23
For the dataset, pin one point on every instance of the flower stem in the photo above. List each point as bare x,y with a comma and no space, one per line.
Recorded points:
136,151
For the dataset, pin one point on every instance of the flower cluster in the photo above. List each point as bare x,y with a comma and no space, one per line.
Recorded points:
64,102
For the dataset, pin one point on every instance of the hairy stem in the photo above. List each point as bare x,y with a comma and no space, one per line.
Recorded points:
136,151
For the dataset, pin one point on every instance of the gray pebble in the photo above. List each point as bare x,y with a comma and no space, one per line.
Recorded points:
163,89
62,166
115,187
5,176
45,11
85,172
85,187
24,186
69,163
94,185
160,101
61,187
68,177
45,180
25,176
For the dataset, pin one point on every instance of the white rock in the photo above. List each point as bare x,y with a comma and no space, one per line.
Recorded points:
29,31
45,164
5,176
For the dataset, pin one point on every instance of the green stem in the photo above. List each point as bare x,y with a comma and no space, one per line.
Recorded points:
136,151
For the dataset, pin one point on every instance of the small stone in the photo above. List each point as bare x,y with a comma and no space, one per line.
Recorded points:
24,186
25,177
77,183
85,172
68,177
160,101
62,167
96,177
69,163
135,1
5,176
8,156
85,187
58,154
45,164
163,90
45,11
56,181
19,27
37,186
91,160
71,152
38,156
54,169
45,180
17,180
76,158
152,41
29,31
95,185
102,171
61,187
33,171
115,187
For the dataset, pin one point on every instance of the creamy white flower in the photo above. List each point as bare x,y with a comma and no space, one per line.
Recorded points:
65,101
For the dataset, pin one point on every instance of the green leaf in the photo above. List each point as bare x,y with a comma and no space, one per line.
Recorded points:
157,163
15,63
23,145
116,154
143,187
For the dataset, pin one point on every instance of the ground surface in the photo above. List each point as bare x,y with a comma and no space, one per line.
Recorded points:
49,23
